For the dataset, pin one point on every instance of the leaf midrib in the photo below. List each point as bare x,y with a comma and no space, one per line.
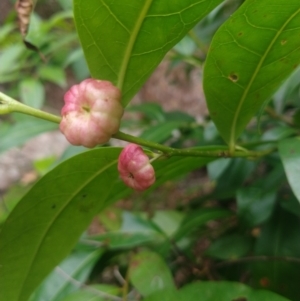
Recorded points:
131,43
57,215
233,127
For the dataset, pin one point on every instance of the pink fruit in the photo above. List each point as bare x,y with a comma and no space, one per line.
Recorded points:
92,112
135,168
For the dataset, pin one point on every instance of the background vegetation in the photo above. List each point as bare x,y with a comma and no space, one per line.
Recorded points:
220,228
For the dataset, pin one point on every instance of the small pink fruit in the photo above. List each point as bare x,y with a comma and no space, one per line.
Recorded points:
92,112
135,168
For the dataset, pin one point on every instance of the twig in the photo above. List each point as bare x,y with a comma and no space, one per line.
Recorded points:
118,276
283,118
91,242
126,286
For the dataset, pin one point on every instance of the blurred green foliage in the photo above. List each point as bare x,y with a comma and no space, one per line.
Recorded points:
240,224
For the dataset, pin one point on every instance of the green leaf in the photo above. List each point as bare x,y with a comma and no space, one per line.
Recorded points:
289,150
165,295
127,230
46,223
179,116
123,240
250,55
177,167
166,170
168,221
53,74
20,132
194,220
11,199
77,266
94,293
278,239
233,176
289,202
32,92
10,58
282,95
216,168
111,218
138,223
186,46
255,205
230,246
279,133
42,166
161,132
225,291
149,273
5,30
123,42
151,110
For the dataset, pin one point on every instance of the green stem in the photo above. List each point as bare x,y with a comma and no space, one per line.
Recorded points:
212,151
9,105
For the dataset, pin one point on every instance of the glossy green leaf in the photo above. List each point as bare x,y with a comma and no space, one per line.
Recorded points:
57,285
46,223
123,42
289,150
225,291
149,273
32,92
250,55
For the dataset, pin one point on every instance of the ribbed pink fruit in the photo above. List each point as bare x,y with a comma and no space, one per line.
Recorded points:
92,113
135,168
